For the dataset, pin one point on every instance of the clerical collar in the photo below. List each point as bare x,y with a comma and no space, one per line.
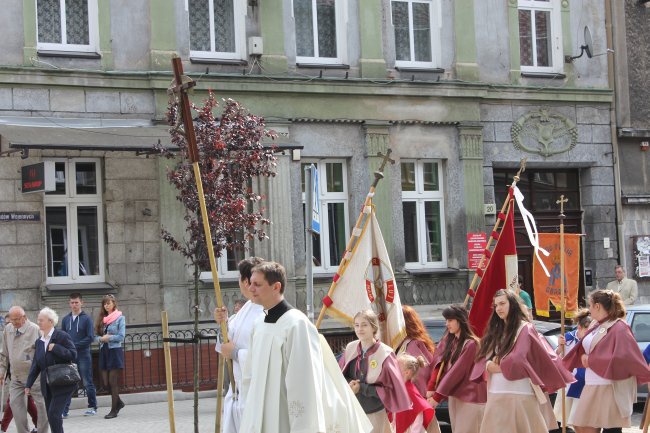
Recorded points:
274,314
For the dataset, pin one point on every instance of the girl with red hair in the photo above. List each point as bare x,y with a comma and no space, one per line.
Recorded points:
417,343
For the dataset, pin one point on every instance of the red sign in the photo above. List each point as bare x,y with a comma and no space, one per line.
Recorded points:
38,177
476,243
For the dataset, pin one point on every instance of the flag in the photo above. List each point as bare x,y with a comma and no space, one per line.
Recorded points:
500,272
547,287
366,281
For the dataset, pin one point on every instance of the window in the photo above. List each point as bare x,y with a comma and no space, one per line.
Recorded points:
67,25
320,31
217,29
540,36
423,211
333,194
227,263
74,235
417,36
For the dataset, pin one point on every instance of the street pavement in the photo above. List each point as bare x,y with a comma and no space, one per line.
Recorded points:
148,412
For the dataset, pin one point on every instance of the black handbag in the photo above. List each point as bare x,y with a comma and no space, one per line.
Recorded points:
63,375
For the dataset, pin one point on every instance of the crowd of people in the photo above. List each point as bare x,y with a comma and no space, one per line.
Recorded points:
30,349
499,382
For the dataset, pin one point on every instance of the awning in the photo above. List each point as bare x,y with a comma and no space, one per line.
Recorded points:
82,134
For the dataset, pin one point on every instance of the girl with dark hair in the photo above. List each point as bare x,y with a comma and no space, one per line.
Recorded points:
110,330
614,364
371,369
454,362
517,363
417,343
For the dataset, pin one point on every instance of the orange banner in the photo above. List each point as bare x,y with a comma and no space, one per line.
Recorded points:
547,289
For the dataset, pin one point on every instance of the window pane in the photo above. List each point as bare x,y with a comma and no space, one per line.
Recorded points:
422,32
59,175
336,225
86,178
434,238
49,21
199,25
326,17
88,240
410,231
401,24
224,26
303,16
525,38
431,176
76,22
57,241
408,176
543,37
641,327
236,254
334,177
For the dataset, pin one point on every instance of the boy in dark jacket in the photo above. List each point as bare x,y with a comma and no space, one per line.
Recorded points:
80,328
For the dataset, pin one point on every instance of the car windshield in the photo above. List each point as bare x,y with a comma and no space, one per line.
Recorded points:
436,331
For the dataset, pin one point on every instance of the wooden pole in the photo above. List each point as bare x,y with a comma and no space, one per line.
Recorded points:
181,90
561,202
506,203
379,175
221,373
168,373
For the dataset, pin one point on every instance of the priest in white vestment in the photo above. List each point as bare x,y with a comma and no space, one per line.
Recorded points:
289,383
240,326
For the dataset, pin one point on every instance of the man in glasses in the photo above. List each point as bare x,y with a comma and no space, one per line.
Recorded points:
18,348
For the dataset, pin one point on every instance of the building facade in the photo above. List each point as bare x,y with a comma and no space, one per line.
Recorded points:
460,91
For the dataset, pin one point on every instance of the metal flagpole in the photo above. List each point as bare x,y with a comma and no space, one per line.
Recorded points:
561,202
379,175
504,208
180,89
309,241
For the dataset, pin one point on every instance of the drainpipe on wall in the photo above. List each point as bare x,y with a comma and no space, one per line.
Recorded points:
611,80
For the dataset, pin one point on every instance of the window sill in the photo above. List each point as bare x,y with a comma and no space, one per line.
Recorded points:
552,75
74,287
419,69
69,54
430,271
322,66
208,279
216,61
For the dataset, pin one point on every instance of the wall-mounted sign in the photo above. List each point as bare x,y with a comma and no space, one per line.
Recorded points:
38,177
476,243
20,216
641,256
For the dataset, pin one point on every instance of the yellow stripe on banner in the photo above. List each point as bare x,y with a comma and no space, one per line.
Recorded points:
397,339
544,313
341,315
354,249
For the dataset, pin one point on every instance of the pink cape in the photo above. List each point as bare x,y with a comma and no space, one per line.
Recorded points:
531,357
404,419
455,379
615,357
417,348
390,385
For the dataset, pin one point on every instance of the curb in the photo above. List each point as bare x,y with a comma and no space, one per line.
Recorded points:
140,398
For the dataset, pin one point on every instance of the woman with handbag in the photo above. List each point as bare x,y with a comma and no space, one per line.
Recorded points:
53,356
110,331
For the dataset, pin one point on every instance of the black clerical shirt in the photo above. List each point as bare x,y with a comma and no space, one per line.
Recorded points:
274,314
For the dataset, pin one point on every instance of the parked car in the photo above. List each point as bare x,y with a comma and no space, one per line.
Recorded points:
638,317
437,329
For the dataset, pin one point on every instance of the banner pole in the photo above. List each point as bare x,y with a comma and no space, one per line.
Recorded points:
561,202
168,372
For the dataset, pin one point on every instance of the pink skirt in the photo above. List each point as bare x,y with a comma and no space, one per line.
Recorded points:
597,408
465,417
513,413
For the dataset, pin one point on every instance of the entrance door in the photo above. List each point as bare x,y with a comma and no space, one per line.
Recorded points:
541,190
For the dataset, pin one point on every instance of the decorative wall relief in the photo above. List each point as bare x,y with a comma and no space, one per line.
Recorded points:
544,133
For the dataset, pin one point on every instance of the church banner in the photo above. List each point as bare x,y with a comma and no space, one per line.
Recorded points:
368,282
547,288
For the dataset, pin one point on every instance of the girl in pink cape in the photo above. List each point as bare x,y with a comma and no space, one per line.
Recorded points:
614,364
455,356
421,418
520,368
373,374
417,343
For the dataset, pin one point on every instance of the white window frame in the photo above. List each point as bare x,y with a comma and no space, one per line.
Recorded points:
93,31
435,11
222,268
341,36
557,59
70,200
419,196
325,199
239,15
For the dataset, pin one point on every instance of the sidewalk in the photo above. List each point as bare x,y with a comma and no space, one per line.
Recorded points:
147,412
